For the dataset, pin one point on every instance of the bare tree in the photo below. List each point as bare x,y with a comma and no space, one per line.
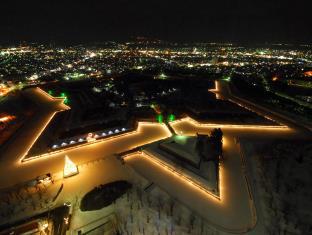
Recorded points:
192,220
160,204
171,204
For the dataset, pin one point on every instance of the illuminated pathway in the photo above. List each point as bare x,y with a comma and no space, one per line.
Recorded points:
224,91
234,212
46,108
54,162
12,165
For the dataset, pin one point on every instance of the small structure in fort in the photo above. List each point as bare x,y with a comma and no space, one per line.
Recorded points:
197,157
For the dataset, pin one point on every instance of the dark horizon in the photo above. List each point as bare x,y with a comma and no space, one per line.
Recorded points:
242,22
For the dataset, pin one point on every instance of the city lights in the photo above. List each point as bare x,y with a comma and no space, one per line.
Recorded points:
97,83
167,117
308,73
7,118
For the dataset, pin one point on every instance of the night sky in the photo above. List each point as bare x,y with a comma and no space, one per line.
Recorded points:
245,21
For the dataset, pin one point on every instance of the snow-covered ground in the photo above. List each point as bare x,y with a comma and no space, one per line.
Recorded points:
151,210
205,174
284,178
145,212
24,201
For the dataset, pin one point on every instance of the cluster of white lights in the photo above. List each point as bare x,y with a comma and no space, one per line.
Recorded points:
95,136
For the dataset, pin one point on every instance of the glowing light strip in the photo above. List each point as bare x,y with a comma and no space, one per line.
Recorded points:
196,123
180,175
244,106
53,98
138,130
43,128
78,146
23,159
36,137
260,114
217,91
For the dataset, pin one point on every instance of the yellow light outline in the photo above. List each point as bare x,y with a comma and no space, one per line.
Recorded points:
169,168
